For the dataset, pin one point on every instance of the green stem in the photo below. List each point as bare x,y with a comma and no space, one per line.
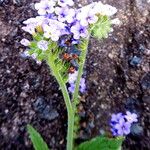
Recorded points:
66,97
80,71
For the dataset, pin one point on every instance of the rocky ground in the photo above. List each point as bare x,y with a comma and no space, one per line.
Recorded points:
117,74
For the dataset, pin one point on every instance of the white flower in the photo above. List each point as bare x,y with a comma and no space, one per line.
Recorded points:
25,42
30,29
45,6
131,117
43,45
102,9
72,77
54,29
32,23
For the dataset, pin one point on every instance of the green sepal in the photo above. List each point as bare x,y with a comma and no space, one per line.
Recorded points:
38,37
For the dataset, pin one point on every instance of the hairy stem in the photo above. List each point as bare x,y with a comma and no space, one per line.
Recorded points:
84,47
66,97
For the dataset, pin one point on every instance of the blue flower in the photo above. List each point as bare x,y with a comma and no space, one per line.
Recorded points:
79,31
121,124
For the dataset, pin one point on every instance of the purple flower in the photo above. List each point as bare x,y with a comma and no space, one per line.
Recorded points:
72,79
79,31
123,128
71,88
64,3
87,16
131,117
45,6
121,124
25,42
43,45
62,12
116,117
65,14
82,85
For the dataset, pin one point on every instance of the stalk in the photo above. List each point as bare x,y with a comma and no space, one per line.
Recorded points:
84,48
70,107
70,111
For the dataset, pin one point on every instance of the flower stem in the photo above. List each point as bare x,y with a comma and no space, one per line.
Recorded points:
84,47
66,97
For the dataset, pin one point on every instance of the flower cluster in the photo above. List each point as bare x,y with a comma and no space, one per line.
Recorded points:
57,18
59,23
72,79
121,124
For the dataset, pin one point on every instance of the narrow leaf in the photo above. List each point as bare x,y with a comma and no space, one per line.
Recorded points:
36,139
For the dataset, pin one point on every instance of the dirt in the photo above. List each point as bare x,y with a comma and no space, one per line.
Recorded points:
117,74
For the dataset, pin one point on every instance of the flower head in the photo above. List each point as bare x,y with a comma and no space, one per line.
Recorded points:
82,85
123,127
45,7
79,31
86,15
71,88
25,42
104,9
131,117
121,124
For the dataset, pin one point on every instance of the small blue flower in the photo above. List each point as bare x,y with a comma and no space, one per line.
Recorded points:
131,117
121,124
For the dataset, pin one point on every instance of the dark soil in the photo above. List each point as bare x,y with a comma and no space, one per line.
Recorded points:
117,74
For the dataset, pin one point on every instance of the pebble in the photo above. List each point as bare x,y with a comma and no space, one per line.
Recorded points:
133,105
145,82
135,61
18,2
45,111
137,130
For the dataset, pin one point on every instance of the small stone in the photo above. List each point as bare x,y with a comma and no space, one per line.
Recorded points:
110,55
133,105
18,2
135,61
145,82
49,113
141,48
136,130
45,111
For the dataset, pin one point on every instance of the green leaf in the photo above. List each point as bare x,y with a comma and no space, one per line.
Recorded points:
102,143
101,28
36,139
